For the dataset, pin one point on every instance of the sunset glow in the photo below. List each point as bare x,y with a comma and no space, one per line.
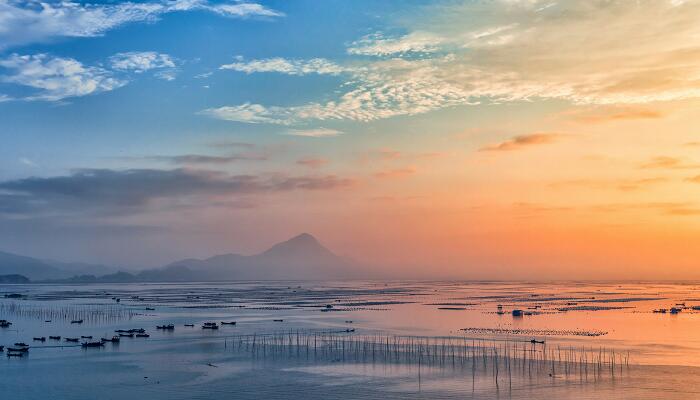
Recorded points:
505,139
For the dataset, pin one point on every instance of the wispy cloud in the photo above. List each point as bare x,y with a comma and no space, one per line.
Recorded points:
395,173
141,61
666,162
315,132
519,142
57,78
532,53
24,22
607,114
312,162
105,191
377,44
318,66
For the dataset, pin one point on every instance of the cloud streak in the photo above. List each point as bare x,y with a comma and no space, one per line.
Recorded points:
523,141
57,78
105,191
23,22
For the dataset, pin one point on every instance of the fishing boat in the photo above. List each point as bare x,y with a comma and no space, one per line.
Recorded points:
210,325
92,344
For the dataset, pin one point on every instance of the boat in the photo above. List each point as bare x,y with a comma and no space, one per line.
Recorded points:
143,335
75,339
228,323
92,344
40,339
86,337
55,337
114,339
77,321
126,335
169,327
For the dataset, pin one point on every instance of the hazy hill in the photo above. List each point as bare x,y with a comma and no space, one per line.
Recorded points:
301,257
36,269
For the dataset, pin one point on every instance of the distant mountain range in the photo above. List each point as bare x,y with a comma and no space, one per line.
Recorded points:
301,257
36,269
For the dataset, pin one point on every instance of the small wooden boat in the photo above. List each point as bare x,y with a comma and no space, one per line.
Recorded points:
93,344
40,339
77,321
55,337
86,337
143,335
169,327
228,323
74,339
126,335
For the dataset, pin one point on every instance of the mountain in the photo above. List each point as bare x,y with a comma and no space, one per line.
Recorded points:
301,257
32,268
36,269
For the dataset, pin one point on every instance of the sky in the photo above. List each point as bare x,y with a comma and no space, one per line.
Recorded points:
466,139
